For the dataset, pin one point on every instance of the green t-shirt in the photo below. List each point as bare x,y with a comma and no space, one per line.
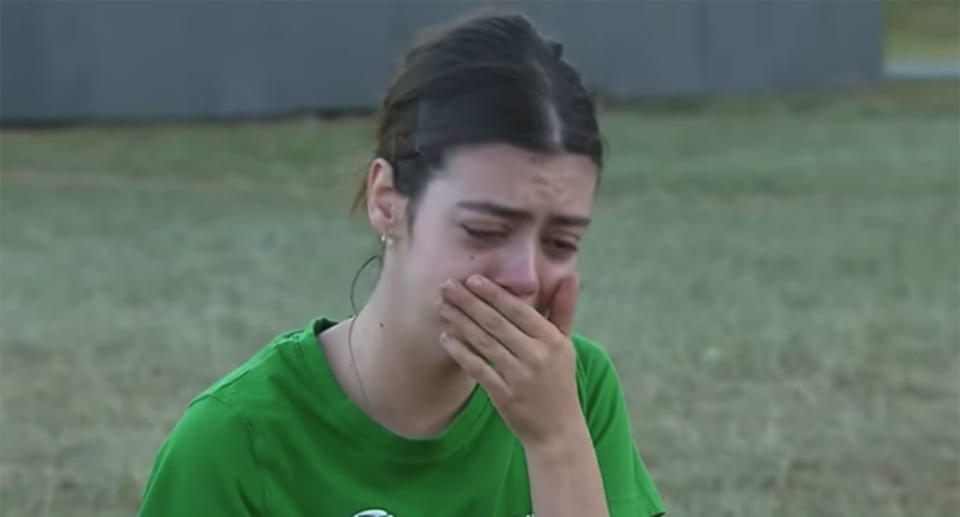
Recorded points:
279,437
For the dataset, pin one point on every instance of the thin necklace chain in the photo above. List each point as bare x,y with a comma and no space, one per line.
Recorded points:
353,360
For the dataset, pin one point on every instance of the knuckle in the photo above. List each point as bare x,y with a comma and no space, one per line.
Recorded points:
538,358
524,379
509,396
514,313
474,368
525,376
491,321
558,347
482,342
565,349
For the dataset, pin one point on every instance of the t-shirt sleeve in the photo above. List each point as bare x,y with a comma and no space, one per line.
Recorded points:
205,467
627,484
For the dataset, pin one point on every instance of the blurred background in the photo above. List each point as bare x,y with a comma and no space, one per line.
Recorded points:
773,265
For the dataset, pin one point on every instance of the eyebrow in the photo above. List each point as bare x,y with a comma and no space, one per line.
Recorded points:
518,214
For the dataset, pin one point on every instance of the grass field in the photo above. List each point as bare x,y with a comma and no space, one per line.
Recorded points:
922,30
776,279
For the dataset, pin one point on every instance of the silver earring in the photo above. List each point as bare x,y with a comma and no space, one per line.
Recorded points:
386,241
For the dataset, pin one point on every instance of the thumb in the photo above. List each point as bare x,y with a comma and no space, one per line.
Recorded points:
563,304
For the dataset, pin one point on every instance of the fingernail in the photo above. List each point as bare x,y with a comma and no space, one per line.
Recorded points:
443,337
475,281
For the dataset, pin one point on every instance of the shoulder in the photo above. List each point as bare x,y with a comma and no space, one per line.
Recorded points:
276,355
598,384
589,353
221,415
212,457
594,365
210,426
628,485
206,464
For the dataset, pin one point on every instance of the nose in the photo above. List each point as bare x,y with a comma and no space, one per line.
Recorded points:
518,271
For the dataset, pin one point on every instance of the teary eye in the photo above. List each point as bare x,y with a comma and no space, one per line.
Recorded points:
561,249
483,234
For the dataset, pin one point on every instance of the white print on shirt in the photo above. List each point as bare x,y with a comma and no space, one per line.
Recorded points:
373,513
384,513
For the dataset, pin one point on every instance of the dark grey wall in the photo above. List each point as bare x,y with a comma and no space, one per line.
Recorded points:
146,59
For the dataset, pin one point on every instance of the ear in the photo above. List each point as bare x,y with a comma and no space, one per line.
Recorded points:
385,205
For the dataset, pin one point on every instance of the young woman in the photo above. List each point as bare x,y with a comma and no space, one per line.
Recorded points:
458,389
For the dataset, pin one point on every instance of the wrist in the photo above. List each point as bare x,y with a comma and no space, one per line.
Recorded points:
565,445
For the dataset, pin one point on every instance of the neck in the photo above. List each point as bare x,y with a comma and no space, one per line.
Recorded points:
406,379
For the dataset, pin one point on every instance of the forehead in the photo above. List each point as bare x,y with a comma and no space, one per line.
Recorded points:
517,177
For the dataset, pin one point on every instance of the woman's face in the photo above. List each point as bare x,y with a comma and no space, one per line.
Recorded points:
514,216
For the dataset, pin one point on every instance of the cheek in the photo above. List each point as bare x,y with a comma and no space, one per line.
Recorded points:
550,279
443,256
459,263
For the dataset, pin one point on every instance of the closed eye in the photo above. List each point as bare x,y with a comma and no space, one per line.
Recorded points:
566,245
483,234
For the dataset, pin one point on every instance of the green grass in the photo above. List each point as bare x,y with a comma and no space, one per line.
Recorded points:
776,279
922,30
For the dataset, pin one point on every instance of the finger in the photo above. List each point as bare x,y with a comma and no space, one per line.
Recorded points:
485,345
487,317
475,367
522,316
564,303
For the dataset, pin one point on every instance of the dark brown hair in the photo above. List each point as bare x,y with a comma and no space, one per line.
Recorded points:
490,77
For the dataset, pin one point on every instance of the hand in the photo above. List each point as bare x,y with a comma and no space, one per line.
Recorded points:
524,361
